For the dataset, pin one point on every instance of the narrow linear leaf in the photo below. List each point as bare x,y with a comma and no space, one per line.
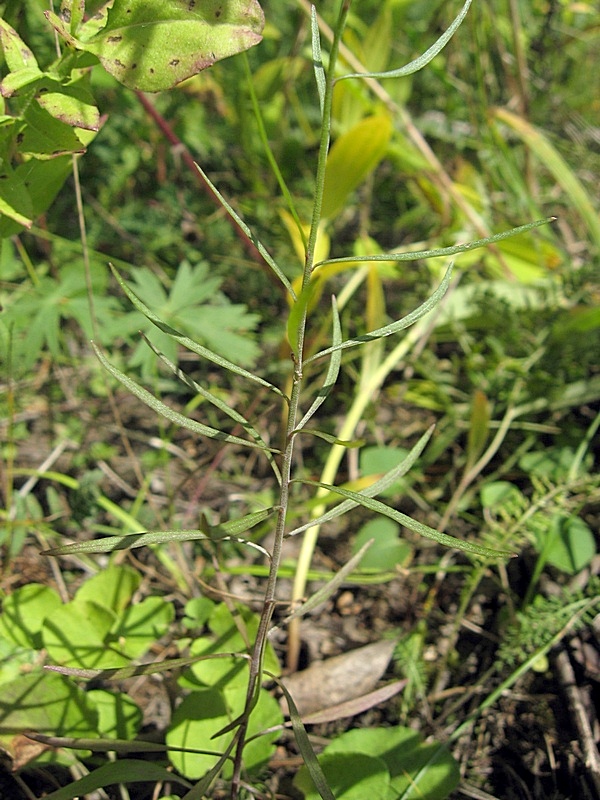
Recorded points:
217,402
173,416
413,524
122,771
317,56
129,541
387,480
422,60
441,251
249,233
325,592
200,789
331,439
135,670
393,327
185,341
333,369
308,754
98,745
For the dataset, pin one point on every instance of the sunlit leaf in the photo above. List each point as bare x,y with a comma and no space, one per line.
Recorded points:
154,46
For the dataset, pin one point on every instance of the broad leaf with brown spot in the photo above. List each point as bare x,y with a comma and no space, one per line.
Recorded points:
152,46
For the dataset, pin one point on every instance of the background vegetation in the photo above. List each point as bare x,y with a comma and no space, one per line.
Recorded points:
502,128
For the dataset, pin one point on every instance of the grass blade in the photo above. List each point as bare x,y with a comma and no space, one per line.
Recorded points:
555,163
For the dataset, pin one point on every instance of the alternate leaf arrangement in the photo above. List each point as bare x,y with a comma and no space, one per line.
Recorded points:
152,47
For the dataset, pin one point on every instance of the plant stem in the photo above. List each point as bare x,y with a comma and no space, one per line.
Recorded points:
258,650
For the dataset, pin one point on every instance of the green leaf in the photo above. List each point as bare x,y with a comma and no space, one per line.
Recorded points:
76,634
24,611
387,549
312,765
333,369
141,625
417,255
317,56
417,770
173,416
352,157
422,60
17,54
15,202
184,340
118,716
393,327
378,487
45,702
226,638
112,588
380,460
203,713
124,770
351,776
131,540
44,136
567,543
218,403
35,184
245,229
154,46
331,439
411,524
73,105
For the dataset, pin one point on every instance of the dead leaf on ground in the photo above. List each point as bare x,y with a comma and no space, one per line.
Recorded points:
339,679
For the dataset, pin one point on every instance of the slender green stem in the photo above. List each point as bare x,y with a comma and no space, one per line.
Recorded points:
324,143
259,645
